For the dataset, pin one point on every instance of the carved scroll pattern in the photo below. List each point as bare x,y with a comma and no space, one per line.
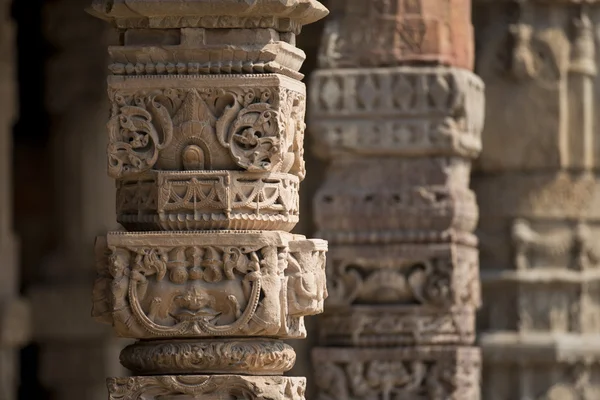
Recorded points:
180,128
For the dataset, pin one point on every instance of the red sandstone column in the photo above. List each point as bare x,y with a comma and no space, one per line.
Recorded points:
398,115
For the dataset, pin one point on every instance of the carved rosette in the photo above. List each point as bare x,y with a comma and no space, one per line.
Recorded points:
206,144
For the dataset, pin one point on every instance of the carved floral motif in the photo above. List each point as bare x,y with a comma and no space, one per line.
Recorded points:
180,128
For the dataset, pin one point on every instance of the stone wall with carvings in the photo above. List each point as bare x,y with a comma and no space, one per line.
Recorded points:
537,184
398,115
206,144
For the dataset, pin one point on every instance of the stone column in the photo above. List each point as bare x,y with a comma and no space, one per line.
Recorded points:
206,146
398,114
75,355
539,190
14,311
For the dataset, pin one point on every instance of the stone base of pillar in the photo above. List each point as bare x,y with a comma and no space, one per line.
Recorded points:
431,372
207,387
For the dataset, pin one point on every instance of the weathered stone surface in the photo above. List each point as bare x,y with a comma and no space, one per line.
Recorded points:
286,16
206,140
411,373
207,387
397,325
231,356
426,196
253,123
206,284
198,200
400,111
537,185
441,276
540,87
383,33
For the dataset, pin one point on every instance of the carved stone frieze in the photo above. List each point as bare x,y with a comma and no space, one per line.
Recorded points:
220,284
400,111
284,17
253,123
412,373
236,356
191,51
439,276
397,325
380,33
198,200
207,387
540,85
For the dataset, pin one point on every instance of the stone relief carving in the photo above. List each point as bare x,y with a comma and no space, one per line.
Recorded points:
251,129
196,387
392,325
433,282
413,374
237,356
222,288
573,244
200,200
430,111
382,33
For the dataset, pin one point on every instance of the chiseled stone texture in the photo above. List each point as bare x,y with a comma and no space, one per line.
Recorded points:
422,372
206,137
380,33
395,205
207,387
537,181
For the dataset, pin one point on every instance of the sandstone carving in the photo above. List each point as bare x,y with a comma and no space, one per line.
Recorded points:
395,205
205,142
537,184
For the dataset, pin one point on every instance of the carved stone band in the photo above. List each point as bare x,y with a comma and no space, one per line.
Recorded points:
283,16
438,276
209,284
201,200
201,51
414,195
206,387
383,326
395,33
222,356
217,122
427,112
449,373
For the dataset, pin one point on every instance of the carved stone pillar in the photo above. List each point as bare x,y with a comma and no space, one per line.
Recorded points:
75,355
14,311
538,185
206,146
396,206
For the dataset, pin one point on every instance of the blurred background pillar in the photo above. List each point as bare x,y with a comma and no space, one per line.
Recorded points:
539,191
397,113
